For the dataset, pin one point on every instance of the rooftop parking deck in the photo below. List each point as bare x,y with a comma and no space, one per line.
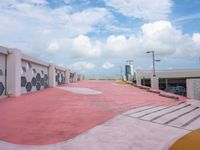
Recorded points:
95,115
56,114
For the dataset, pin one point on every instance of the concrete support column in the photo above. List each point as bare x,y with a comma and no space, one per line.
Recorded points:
138,81
166,83
75,77
52,76
154,83
138,76
193,88
67,75
14,73
78,77
81,76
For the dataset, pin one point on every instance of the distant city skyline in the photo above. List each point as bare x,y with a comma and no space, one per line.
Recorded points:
97,37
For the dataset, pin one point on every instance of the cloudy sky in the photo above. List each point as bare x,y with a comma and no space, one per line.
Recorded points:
96,37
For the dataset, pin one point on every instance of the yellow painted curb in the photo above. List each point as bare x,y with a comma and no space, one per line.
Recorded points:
190,141
121,82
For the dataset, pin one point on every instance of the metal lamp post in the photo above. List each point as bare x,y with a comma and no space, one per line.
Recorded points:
154,60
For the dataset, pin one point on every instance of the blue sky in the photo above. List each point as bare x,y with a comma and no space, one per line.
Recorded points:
96,37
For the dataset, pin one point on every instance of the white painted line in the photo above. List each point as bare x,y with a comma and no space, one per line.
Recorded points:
194,125
184,119
147,111
162,112
143,108
170,116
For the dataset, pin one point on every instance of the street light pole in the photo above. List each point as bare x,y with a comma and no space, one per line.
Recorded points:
154,70
153,56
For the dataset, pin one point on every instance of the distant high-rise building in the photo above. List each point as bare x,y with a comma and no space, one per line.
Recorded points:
128,72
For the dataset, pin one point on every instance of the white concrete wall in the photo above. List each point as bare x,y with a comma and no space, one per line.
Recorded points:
60,76
34,77
27,74
78,77
2,75
193,88
75,77
71,77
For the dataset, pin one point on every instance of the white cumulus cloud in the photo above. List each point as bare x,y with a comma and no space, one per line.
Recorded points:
83,46
160,36
82,66
64,34
196,38
143,9
32,25
53,47
107,65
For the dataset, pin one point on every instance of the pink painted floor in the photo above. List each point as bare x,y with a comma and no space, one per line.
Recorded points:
54,115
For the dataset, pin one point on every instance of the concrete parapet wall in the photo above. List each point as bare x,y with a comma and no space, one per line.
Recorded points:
2,74
60,76
71,77
34,77
20,73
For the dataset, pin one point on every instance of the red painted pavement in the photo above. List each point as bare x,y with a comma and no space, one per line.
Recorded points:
54,115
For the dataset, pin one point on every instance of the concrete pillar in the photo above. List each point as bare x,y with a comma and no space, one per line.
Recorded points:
75,77
143,81
82,77
166,83
14,73
138,75
154,83
67,75
193,88
78,77
138,81
52,76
